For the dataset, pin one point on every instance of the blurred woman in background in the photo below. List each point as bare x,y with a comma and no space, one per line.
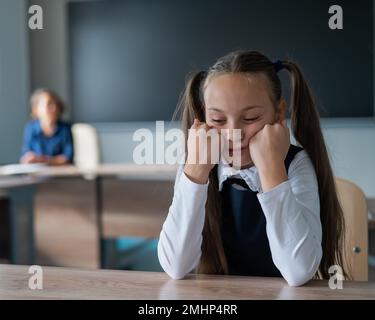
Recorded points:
47,139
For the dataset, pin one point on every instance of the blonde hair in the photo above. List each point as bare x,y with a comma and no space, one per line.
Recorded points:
35,96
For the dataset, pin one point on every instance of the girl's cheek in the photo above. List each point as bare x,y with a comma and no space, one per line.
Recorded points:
251,130
211,124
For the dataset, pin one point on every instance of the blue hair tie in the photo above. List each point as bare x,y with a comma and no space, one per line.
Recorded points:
278,65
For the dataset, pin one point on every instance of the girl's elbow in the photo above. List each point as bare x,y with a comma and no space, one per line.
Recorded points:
298,280
175,274
174,270
299,276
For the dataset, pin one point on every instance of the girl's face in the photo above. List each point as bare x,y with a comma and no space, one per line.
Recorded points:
46,109
236,101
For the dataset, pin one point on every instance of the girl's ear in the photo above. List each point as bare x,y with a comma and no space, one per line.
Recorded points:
281,111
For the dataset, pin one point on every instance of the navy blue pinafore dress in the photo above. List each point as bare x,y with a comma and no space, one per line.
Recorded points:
243,229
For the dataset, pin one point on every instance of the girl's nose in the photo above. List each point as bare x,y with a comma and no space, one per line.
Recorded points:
233,135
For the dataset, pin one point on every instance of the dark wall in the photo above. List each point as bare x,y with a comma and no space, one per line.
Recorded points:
129,58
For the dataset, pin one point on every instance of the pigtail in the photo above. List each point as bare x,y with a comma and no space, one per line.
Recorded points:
213,260
307,131
191,103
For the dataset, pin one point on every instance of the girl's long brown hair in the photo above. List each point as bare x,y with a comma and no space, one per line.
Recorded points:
307,131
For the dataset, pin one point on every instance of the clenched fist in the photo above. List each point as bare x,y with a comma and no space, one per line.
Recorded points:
268,149
198,150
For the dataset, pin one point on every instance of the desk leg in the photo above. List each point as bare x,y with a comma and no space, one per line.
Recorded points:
99,221
22,225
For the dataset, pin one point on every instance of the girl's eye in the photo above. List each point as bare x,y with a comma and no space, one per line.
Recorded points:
251,119
218,121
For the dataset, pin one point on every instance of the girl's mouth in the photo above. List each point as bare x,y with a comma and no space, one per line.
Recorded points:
242,149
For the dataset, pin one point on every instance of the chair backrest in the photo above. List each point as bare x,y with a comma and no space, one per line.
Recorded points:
354,206
86,146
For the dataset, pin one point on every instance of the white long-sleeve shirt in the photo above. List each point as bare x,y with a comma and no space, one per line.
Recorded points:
292,215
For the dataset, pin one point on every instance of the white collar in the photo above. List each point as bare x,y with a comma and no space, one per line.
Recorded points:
250,175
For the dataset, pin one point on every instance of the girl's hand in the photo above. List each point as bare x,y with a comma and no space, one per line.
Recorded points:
268,149
196,171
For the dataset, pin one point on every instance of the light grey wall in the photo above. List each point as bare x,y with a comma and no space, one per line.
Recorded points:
14,77
352,152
